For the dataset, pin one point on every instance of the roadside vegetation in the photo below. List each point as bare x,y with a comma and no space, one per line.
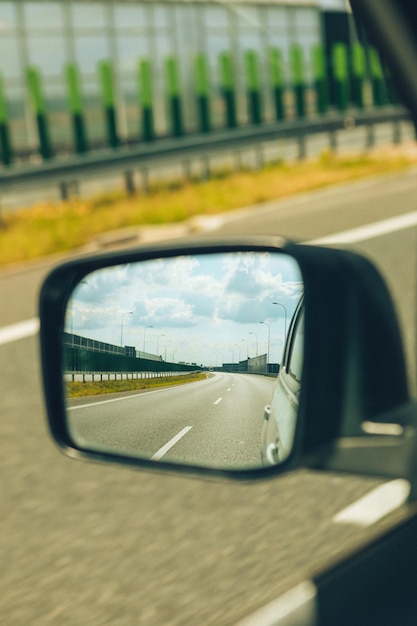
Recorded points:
58,227
80,390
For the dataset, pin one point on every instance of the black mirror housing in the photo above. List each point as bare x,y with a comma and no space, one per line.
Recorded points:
354,369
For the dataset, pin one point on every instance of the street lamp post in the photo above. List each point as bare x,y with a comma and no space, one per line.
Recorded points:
247,352
157,343
121,326
269,338
257,341
144,337
285,318
168,342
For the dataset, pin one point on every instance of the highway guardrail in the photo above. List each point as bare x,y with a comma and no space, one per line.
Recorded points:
125,161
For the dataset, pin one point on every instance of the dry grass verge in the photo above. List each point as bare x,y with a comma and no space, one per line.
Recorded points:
63,226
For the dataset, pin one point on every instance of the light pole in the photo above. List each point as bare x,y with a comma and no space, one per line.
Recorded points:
247,353
157,343
144,337
121,326
168,342
285,318
257,342
269,338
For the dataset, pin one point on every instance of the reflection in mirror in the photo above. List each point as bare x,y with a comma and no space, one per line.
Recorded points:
177,359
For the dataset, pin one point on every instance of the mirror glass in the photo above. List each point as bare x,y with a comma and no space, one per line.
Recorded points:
181,359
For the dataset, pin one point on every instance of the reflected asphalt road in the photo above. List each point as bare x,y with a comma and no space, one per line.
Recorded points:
216,422
83,543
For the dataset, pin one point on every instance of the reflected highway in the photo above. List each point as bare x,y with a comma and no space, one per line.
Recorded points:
215,422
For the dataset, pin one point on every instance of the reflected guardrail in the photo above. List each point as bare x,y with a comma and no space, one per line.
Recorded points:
85,377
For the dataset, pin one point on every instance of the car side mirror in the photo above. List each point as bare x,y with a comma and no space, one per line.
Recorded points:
232,359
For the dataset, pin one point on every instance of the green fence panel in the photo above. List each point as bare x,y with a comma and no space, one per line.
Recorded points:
228,88
5,142
174,96
253,87
202,82
276,74
298,78
341,74
358,74
377,77
320,78
39,107
85,360
75,103
108,99
146,98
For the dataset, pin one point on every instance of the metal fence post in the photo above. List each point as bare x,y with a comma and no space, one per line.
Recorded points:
359,73
320,79
277,81
6,148
174,97
341,74
203,92
253,87
76,107
228,88
107,92
298,79
38,103
146,99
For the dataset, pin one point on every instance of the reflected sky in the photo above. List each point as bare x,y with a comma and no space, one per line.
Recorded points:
205,309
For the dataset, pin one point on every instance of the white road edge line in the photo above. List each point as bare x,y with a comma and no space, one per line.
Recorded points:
20,330
376,504
369,231
218,401
158,455
27,328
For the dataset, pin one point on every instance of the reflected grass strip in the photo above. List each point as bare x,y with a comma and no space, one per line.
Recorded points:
80,390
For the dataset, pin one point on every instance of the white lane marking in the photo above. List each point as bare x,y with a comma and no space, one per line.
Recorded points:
144,394
369,231
376,504
21,330
158,455
229,389
218,401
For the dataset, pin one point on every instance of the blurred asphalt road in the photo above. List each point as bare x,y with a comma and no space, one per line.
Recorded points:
90,544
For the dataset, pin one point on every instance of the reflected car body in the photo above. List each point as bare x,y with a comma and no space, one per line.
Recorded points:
280,415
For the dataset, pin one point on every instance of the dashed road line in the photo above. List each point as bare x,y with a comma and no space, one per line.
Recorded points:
370,231
20,330
158,455
376,504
